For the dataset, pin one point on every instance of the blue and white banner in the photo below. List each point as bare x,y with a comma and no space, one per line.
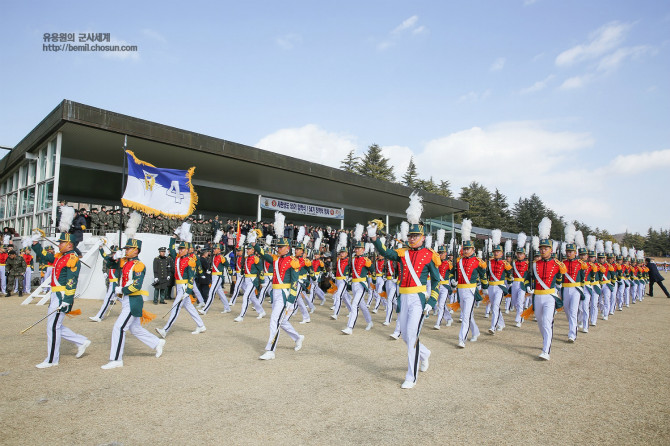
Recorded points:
276,204
153,190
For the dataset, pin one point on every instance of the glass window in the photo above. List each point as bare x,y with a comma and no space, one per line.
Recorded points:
28,226
46,196
19,227
3,202
27,201
32,170
11,205
23,173
43,163
2,189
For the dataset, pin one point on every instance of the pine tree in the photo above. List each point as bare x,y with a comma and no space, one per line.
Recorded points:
479,199
527,213
350,163
501,216
410,177
445,189
375,165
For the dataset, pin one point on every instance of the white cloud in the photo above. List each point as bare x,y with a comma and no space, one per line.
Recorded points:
288,41
399,157
576,82
537,86
498,64
310,143
638,163
473,96
406,24
601,41
612,61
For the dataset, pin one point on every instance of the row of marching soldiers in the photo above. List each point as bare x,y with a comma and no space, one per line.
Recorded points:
417,281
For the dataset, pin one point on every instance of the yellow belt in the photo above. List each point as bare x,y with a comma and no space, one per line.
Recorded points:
2,264
281,286
139,293
389,277
444,282
572,284
268,274
216,274
55,289
412,289
605,281
499,282
467,285
339,277
360,279
518,279
180,282
302,277
587,283
549,291
250,276
114,280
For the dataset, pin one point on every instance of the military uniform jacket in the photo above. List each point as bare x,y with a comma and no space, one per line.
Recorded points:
469,271
112,266
342,268
499,271
550,272
132,277
162,271
414,264
361,267
29,260
285,273
65,275
3,258
15,267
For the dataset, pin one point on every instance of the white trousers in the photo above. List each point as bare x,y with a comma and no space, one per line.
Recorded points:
278,319
107,299
571,300
266,288
183,300
3,279
236,288
584,310
315,289
391,299
593,307
27,279
249,295
124,323
357,303
518,297
216,290
545,305
379,287
410,317
197,295
467,300
341,295
442,311
605,298
495,298
56,330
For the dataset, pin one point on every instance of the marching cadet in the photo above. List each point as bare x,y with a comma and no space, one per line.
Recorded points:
546,274
445,289
219,263
16,269
266,286
30,265
132,314
284,288
418,262
391,288
604,280
184,281
303,274
470,271
315,278
341,274
63,286
587,289
237,277
379,281
360,268
111,262
573,281
3,263
498,272
520,274
250,283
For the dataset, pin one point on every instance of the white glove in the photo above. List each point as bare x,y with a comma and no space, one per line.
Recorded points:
118,255
453,283
528,291
64,305
35,237
100,242
372,230
427,308
118,291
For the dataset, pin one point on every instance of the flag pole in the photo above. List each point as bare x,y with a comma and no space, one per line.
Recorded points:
123,180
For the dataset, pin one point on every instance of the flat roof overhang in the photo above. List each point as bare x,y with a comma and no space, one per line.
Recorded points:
228,175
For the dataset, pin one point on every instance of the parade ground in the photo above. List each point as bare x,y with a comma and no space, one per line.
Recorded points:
610,387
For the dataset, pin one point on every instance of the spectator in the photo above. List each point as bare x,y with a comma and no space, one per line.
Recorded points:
655,277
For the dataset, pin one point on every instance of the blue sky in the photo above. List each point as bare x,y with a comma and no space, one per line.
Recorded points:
568,99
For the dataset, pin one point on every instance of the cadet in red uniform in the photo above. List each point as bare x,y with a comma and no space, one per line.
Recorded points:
498,271
391,288
520,275
341,273
315,278
30,264
63,286
219,262
469,270
379,281
360,269
132,273
3,262
587,290
444,290
239,275
571,291
546,274
184,275
284,293
112,263
252,269
417,263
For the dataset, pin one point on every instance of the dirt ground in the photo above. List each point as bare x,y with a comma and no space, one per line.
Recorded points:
610,387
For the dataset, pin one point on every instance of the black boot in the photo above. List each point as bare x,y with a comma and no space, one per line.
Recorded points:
20,293
9,293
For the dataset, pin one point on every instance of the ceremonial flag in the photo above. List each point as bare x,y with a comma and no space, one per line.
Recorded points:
153,190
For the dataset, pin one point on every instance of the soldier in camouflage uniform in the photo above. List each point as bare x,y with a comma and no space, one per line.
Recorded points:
15,269
103,221
95,221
